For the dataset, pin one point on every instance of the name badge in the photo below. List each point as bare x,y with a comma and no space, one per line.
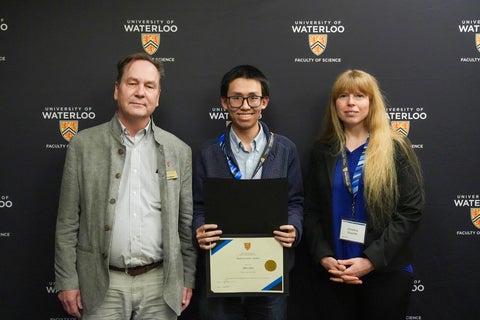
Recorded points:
172,175
353,231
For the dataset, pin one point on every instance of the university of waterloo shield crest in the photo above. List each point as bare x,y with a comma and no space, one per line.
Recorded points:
68,129
477,41
150,42
401,126
318,43
475,215
247,245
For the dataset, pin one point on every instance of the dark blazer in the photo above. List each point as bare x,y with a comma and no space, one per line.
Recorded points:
388,248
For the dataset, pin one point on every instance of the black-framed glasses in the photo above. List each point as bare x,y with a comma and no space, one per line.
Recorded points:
236,102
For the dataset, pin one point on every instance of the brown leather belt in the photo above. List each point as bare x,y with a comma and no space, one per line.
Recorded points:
135,271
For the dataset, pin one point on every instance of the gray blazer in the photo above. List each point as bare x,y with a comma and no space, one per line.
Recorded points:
90,184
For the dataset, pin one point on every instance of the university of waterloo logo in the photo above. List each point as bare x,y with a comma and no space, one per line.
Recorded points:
150,42
150,31
475,216
68,128
247,245
67,119
402,119
402,127
317,32
472,203
318,43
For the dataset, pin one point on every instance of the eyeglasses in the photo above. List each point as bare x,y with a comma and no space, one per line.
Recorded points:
236,102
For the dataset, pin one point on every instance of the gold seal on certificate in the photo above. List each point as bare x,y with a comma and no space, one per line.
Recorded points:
247,265
270,265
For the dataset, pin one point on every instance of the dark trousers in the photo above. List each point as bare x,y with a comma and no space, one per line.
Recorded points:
244,308
382,296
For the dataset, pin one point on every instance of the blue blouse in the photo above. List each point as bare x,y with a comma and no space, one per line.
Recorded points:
342,206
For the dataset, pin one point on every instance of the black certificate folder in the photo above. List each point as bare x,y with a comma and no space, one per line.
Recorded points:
246,206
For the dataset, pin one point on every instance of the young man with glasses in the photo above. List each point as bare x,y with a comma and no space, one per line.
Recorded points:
246,150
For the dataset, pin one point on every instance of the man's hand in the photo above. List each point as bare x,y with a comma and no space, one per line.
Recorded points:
72,302
286,236
207,235
186,297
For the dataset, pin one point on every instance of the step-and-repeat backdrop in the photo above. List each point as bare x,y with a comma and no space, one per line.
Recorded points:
57,69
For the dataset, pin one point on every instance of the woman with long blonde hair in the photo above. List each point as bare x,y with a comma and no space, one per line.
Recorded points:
364,202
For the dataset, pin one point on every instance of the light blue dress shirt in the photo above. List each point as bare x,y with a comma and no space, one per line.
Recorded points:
247,161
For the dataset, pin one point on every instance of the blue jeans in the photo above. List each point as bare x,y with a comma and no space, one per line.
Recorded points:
243,308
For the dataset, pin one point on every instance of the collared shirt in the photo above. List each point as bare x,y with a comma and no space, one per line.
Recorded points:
137,238
247,161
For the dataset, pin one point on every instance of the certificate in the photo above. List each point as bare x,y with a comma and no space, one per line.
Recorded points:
243,265
247,260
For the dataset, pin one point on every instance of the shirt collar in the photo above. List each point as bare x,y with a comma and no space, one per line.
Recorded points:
143,133
237,144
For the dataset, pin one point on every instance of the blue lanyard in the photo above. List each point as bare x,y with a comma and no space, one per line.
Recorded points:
231,165
233,168
352,186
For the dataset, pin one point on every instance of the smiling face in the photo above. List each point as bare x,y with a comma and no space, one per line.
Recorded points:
138,92
245,118
352,108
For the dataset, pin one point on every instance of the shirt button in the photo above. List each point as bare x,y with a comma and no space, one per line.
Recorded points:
107,227
112,201
118,175
121,151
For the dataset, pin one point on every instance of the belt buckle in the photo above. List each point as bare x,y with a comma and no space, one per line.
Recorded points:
135,271
132,271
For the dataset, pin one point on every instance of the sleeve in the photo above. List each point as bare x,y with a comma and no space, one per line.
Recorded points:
404,221
189,252
67,226
317,208
295,194
198,200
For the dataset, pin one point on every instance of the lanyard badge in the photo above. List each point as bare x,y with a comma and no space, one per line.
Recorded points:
351,229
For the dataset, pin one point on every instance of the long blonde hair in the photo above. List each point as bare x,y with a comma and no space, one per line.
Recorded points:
380,174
